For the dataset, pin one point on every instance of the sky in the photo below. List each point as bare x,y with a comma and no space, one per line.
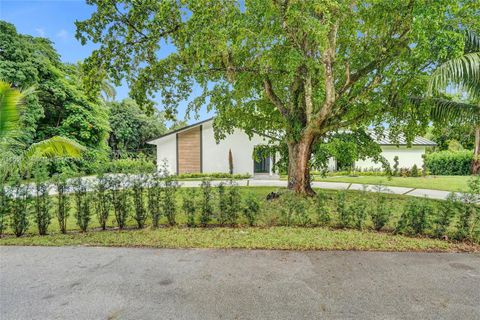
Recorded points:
54,19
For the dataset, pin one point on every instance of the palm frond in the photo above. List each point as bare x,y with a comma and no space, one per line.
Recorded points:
9,113
462,73
448,110
54,147
472,42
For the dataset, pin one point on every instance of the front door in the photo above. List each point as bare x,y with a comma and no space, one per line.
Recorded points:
262,165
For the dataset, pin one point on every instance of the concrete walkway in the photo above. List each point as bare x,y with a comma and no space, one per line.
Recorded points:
121,283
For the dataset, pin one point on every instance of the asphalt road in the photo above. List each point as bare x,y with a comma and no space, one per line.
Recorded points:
119,283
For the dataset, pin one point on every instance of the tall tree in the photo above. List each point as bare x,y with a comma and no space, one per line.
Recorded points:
305,68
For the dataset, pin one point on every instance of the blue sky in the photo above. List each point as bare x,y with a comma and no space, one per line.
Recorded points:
54,19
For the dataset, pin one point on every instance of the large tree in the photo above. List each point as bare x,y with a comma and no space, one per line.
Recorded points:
304,68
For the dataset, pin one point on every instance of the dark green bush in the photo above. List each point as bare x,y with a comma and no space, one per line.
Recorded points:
293,210
395,166
154,195
358,211
345,215
102,200
415,217
82,203
321,209
251,208
206,207
449,162
169,200
138,193
140,165
42,199
380,212
447,211
120,199
222,215
18,206
3,208
234,201
213,175
189,206
62,187
415,171
469,218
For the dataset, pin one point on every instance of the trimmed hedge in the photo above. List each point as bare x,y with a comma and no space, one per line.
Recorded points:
449,163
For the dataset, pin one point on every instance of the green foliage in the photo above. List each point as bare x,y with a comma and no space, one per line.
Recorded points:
414,171
82,203
131,165
62,205
43,202
380,212
321,209
395,166
293,209
154,195
251,208
345,215
4,210
468,226
230,161
357,211
444,133
415,217
189,206
102,199
234,201
448,209
213,175
120,199
449,163
222,214
169,201
138,194
18,205
206,202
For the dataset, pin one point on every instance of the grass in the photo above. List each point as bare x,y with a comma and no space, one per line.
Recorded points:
447,183
283,238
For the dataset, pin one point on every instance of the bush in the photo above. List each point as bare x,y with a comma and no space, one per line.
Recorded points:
251,208
233,204
358,211
169,200
449,163
213,175
222,214
42,199
82,203
120,201
140,165
189,206
102,200
415,217
154,195
344,214
293,209
415,171
3,208
321,209
380,211
60,182
138,191
469,218
447,211
19,208
206,203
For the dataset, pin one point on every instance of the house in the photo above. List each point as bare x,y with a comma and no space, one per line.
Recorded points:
193,149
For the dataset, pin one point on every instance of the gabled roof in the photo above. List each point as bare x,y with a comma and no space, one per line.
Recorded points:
180,130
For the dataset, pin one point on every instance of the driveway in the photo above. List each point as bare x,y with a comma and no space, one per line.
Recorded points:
119,283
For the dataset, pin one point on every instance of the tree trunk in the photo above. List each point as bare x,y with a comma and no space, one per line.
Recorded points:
476,153
299,154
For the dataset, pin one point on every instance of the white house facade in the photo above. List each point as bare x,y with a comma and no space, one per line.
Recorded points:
193,149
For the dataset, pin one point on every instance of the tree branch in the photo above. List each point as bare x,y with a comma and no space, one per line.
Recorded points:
267,84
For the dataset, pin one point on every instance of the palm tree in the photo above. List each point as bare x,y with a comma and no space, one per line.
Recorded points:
461,74
15,155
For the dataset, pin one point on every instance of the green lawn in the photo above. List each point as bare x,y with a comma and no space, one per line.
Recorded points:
447,183
249,238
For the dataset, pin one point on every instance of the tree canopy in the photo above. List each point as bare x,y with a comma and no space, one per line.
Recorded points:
305,68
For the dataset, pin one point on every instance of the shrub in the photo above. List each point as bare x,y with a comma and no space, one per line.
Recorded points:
214,175
206,203
42,199
120,201
222,215
19,207
189,206
395,166
140,165
344,214
293,210
251,208
61,185
405,172
169,200
82,203
3,208
447,211
380,211
424,165
154,195
358,211
230,161
449,162
469,218
321,209
233,204
102,200
415,217
414,171
138,191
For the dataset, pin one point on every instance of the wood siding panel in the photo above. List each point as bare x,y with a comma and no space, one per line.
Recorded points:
189,151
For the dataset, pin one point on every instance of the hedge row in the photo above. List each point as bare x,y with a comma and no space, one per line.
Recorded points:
449,163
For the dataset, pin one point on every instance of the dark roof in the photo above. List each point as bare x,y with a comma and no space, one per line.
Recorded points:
180,129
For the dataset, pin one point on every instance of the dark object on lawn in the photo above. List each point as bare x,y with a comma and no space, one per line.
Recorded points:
273,195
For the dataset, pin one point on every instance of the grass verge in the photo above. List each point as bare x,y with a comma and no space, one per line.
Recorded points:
281,238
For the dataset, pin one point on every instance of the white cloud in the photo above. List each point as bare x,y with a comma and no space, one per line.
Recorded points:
62,34
41,32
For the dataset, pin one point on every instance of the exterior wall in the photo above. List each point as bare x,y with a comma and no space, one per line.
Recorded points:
407,157
189,151
167,152
215,156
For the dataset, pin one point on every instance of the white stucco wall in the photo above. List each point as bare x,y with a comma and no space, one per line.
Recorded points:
215,156
167,150
407,157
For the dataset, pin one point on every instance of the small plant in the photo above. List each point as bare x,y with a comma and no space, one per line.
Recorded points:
222,215
206,203
414,172
42,199
233,204
468,226
169,200
380,212
62,206
321,209
358,211
119,197
138,191
82,203
293,210
344,214
415,217
230,161
251,208
154,195
424,165
19,207
395,166
447,211
102,200
189,206
3,208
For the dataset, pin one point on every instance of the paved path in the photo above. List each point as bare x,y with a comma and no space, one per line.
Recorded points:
119,283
